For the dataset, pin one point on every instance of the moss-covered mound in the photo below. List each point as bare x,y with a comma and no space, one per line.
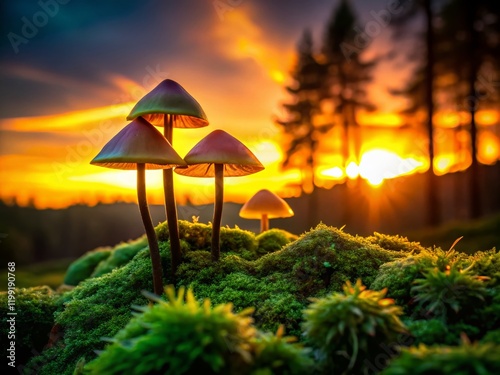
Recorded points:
278,284
84,266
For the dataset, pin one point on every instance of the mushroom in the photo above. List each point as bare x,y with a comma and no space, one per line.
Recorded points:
217,155
140,146
171,106
265,205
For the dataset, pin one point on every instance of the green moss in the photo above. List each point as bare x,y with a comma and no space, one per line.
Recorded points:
325,252
395,243
487,263
435,331
35,317
119,256
279,284
83,267
273,240
198,236
462,360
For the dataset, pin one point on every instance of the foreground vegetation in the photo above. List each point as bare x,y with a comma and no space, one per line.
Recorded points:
356,305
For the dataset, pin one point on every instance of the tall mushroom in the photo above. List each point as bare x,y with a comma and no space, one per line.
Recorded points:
140,146
217,155
171,106
265,205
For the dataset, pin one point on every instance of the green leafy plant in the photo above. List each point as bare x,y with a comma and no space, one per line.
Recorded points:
398,276
181,336
185,336
347,329
279,355
442,293
466,359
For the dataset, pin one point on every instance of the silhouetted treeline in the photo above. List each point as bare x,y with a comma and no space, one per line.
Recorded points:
29,235
453,47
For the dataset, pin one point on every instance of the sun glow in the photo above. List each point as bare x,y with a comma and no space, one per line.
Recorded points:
378,165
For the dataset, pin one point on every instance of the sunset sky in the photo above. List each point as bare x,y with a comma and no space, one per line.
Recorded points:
68,84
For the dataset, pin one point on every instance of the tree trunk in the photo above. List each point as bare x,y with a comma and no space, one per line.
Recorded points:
433,212
472,101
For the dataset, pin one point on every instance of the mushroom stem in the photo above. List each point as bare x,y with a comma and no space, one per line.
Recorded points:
170,207
154,251
219,199
264,223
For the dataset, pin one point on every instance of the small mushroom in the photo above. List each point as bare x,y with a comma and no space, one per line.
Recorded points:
265,205
171,106
217,155
140,146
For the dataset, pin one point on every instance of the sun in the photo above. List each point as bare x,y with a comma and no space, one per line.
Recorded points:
377,165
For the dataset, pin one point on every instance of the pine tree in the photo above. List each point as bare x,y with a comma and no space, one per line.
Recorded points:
420,91
470,49
348,74
301,131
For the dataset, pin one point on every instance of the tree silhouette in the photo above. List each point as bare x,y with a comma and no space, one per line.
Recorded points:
348,74
301,132
420,90
470,49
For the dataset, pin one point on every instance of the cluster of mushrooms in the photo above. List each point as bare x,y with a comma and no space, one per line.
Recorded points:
140,146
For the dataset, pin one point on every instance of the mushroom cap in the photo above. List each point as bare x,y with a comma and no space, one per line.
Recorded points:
138,142
170,98
220,147
265,202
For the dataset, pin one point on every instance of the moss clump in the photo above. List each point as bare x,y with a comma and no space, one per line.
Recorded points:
273,240
83,267
487,263
35,317
119,256
329,255
395,243
198,236
461,360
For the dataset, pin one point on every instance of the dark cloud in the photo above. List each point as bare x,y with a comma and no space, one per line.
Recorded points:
69,63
